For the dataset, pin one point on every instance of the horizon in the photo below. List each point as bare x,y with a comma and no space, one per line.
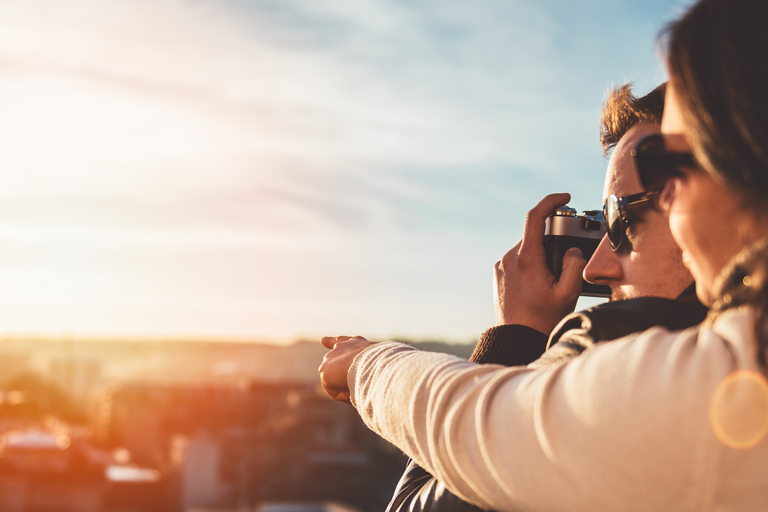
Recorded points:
286,170
96,338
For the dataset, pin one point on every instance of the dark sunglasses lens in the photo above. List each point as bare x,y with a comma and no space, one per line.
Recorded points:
653,169
613,221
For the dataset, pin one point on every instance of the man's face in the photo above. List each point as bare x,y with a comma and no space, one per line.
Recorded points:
653,265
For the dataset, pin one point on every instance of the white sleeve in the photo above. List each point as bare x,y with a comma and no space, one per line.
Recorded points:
624,426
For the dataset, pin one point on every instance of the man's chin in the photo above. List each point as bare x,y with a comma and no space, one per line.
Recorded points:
619,294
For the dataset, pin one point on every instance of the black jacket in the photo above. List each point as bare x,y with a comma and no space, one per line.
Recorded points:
516,345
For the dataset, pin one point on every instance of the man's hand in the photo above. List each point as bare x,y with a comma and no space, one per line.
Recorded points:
527,293
336,363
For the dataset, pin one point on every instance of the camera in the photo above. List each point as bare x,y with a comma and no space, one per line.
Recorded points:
565,229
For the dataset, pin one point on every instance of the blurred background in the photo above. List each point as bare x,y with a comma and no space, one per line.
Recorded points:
193,191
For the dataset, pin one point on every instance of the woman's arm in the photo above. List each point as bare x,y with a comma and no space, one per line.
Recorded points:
419,491
505,438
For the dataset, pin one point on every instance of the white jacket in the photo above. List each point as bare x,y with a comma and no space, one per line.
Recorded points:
650,422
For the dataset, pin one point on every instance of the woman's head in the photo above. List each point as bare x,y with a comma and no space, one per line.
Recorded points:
717,62
717,108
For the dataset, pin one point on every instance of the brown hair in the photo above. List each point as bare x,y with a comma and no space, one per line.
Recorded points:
622,110
716,59
718,65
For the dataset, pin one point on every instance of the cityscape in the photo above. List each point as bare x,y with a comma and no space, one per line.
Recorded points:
175,426
192,188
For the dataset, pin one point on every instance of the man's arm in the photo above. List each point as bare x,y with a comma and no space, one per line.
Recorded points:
510,345
527,297
528,302
527,292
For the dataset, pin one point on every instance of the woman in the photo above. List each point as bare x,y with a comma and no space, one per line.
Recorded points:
720,113
656,421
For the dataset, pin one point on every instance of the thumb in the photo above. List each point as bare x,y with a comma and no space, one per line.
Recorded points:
570,278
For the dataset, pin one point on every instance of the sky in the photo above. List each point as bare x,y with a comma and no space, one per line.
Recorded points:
277,170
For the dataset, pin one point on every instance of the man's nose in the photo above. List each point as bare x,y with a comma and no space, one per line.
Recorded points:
604,267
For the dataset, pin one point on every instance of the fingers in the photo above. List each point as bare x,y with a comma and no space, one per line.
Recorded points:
507,262
336,363
333,371
569,284
331,341
533,233
339,396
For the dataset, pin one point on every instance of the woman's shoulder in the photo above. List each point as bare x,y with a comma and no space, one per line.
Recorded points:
731,331
734,325
690,361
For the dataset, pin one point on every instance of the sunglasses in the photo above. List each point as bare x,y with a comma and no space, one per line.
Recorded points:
655,165
615,210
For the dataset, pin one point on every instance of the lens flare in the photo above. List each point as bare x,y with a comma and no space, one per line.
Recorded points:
738,410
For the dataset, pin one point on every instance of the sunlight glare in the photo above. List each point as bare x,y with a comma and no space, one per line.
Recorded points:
738,410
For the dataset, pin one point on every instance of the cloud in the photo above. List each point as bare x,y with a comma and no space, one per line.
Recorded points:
247,158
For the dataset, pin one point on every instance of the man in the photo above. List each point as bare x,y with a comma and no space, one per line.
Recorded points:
650,248
647,267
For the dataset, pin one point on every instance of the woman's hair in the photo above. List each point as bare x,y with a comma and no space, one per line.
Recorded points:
718,64
716,54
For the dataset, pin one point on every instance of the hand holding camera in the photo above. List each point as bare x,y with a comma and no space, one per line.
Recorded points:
527,291
565,229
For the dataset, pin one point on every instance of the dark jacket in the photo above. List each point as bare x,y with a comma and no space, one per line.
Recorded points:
516,345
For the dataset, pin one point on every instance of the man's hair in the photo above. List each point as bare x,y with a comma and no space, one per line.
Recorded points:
622,110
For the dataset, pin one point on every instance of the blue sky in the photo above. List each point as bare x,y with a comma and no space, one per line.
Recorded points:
279,169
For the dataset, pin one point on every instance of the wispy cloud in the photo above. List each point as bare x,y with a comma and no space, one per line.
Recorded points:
282,167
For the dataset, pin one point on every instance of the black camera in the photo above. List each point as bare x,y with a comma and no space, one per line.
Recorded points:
564,229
